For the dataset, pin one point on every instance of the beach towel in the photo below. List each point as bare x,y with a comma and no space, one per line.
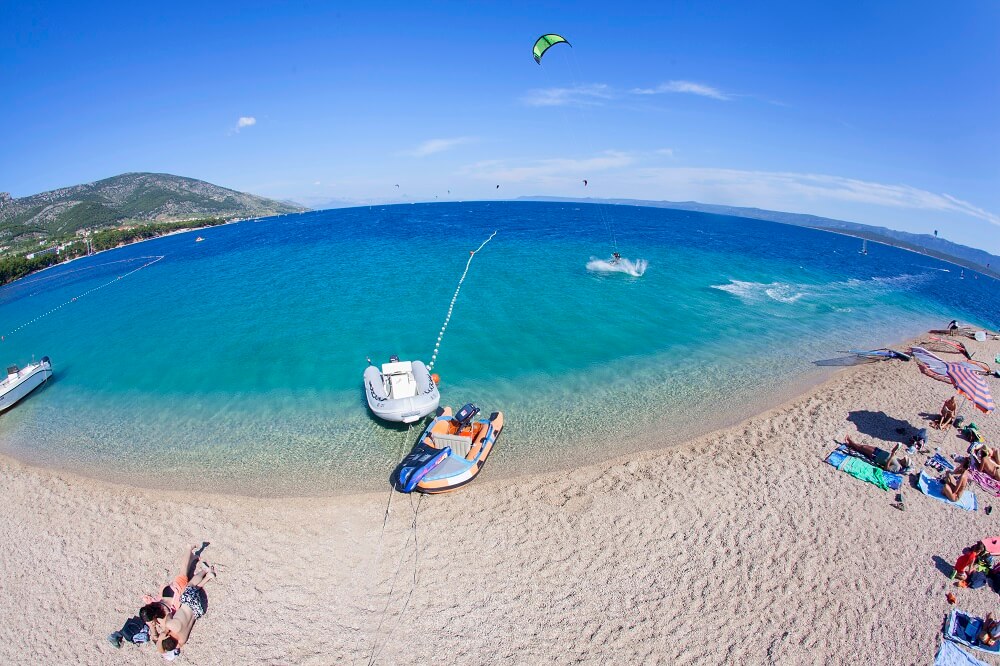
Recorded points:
860,469
963,628
932,488
986,482
939,462
950,654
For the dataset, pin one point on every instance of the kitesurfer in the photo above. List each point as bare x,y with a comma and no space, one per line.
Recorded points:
615,257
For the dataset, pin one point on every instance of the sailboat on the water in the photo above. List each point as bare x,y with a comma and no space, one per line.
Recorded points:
864,246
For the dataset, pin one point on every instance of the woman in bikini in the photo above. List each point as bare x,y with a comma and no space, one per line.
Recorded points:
953,484
948,412
169,626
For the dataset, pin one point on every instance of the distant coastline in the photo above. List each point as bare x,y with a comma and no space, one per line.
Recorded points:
977,260
16,267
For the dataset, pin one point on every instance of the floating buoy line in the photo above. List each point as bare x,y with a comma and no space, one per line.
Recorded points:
451,306
378,641
152,261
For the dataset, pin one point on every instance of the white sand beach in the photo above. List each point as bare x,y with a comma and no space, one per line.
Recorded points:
740,547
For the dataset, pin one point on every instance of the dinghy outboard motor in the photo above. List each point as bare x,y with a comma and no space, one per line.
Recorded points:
394,359
465,415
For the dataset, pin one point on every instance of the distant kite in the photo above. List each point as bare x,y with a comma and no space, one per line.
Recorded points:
498,187
397,184
544,43
585,182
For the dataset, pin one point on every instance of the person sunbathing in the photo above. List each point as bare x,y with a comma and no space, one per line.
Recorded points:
885,459
170,632
953,484
991,631
948,412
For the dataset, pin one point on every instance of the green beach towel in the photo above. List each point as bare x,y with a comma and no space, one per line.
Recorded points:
859,469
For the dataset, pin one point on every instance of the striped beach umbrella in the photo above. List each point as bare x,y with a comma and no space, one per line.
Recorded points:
964,377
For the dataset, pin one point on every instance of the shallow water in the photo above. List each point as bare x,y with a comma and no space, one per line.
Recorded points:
235,364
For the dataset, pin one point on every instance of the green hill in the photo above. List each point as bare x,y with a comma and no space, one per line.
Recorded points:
131,198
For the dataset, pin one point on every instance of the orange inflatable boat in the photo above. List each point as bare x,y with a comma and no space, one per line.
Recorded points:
451,451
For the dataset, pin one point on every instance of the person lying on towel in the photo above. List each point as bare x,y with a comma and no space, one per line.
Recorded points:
987,460
887,460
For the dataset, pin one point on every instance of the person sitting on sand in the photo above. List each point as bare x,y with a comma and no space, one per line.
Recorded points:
170,632
882,458
974,558
953,484
991,631
948,411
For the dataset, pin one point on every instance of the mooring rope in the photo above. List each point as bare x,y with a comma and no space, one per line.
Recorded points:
378,548
376,648
451,306
76,298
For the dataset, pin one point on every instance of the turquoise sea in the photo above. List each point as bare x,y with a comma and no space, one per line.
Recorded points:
235,364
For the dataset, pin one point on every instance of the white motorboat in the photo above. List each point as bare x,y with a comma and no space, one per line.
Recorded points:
402,391
22,381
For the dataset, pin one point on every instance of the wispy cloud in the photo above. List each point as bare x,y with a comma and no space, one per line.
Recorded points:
547,171
244,122
583,95
793,190
688,87
432,146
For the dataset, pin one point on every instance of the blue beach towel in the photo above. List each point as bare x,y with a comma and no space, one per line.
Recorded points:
839,457
932,488
964,628
938,461
950,654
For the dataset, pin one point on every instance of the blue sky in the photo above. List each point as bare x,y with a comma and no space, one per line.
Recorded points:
886,114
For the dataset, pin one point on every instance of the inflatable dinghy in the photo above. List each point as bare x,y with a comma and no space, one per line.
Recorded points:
401,391
450,452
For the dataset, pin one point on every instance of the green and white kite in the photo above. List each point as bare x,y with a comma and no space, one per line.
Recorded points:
544,43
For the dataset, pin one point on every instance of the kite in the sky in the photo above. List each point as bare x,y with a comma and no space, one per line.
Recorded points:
585,182
544,43
498,187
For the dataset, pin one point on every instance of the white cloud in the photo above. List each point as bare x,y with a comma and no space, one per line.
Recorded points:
547,171
667,152
243,122
793,191
589,94
689,87
432,146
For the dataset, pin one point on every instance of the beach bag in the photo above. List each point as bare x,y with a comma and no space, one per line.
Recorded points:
135,631
971,432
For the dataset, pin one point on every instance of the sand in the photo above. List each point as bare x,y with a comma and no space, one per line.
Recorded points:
740,547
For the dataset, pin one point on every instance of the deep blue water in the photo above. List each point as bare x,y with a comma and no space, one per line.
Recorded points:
236,362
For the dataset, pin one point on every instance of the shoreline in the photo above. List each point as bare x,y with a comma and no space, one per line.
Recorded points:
649,441
621,561
652,444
